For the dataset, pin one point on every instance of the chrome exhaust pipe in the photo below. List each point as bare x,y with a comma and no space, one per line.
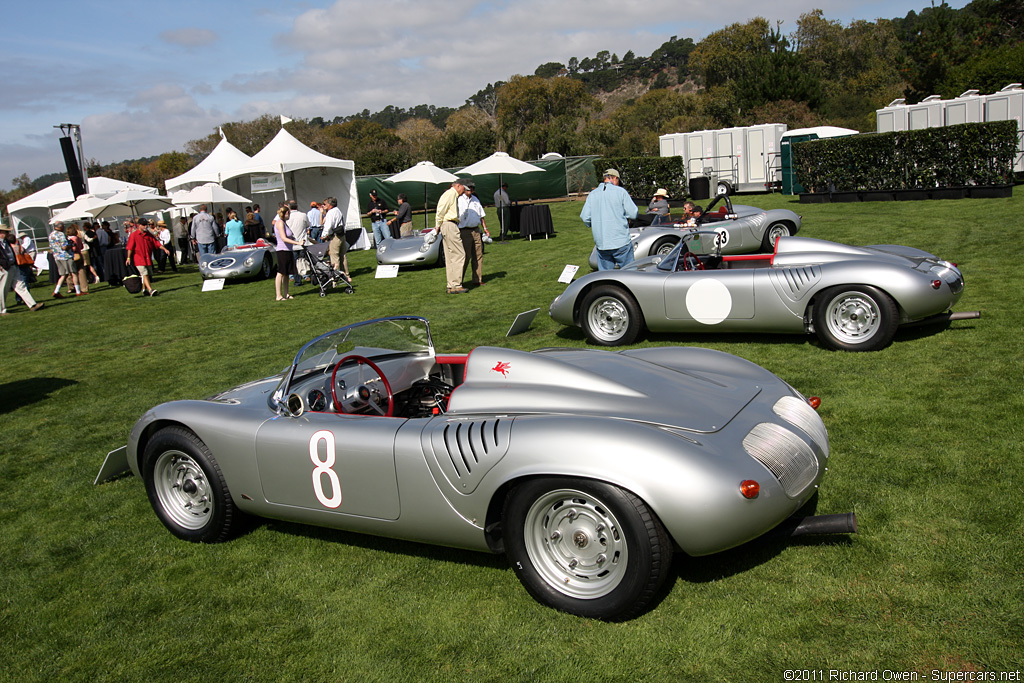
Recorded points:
845,523
944,318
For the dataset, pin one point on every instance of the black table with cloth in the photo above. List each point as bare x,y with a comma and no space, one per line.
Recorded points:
534,219
114,267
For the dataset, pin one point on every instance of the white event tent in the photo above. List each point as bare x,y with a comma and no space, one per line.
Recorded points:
287,169
35,210
224,157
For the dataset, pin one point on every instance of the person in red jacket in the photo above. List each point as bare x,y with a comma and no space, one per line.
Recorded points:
141,244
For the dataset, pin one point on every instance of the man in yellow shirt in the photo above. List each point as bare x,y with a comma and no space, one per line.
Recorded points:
447,222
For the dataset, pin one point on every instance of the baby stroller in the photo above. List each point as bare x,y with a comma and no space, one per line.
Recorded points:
320,270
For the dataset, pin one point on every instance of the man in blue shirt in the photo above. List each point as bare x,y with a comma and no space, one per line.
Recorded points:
607,212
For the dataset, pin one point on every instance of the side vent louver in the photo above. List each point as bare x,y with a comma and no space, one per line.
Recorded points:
465,450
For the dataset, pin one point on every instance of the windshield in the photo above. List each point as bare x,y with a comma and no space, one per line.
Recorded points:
401,335
703,242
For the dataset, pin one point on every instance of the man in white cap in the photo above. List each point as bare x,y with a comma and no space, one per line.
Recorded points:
607,212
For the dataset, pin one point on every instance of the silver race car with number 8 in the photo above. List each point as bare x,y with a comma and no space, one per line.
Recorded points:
587,468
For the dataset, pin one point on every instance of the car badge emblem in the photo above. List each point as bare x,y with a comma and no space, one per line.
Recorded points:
501,367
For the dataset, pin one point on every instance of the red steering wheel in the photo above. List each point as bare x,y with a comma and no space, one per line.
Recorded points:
691,262
364,396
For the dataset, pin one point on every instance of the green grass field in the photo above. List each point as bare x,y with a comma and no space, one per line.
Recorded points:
926,448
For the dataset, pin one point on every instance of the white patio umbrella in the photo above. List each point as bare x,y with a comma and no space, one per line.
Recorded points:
500,163
131,203
210,193
424,172
80,208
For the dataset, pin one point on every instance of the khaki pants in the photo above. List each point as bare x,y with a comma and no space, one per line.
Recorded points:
454,254
472,242
406,229
337,249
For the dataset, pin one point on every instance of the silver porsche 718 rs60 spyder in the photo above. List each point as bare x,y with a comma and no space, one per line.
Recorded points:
422,248
243,261
587,468
736,230
852,298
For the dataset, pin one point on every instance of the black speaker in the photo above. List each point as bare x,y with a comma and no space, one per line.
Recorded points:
700,187
67,146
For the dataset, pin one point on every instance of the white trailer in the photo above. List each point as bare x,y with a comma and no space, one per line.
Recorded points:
1008,105
741,159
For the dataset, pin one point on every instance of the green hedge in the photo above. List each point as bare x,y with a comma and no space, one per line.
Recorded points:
642,176
953,156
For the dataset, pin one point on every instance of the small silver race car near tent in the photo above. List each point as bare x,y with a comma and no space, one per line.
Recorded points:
852,298
422,248
247,260
587,468
739,229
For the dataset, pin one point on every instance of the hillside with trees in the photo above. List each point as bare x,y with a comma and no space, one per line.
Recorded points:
820,73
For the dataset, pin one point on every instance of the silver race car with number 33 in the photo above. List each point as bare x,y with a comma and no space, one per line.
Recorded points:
587,468
852,298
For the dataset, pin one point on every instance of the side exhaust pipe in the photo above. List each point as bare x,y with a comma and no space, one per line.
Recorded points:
845,523
944,318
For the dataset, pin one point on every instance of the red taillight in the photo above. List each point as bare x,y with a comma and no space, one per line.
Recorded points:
749,488
936,284
814,402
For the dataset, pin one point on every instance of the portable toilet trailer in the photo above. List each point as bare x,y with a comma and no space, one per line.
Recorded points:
928,113
1008,105
892,118
747,167
790,184
968,108
668,145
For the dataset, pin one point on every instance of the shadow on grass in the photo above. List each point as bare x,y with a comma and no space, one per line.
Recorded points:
755,552
388,545
24,392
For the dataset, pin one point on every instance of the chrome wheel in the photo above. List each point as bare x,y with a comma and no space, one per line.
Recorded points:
853,317
575,544
608,319
182,489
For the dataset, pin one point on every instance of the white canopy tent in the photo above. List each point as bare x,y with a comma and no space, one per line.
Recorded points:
287,169
224,157
35,210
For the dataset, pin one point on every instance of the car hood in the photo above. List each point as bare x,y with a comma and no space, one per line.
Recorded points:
693,389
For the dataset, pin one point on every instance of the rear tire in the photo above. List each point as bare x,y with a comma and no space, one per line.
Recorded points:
586,547
663,246
855,318
610,316
187,489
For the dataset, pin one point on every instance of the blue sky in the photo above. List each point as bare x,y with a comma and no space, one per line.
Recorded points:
144,78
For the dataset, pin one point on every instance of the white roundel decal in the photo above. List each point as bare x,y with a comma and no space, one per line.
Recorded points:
708,301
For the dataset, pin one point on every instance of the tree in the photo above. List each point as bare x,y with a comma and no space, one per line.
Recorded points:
732,52
549,69
419,135
527,107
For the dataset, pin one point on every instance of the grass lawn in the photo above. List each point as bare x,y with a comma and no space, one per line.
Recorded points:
926,448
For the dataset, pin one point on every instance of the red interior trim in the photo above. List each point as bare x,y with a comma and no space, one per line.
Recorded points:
459,359
749,257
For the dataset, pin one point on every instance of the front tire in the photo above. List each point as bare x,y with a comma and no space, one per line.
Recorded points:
187,489
774,232
610,316
586,547
855,318
266,268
